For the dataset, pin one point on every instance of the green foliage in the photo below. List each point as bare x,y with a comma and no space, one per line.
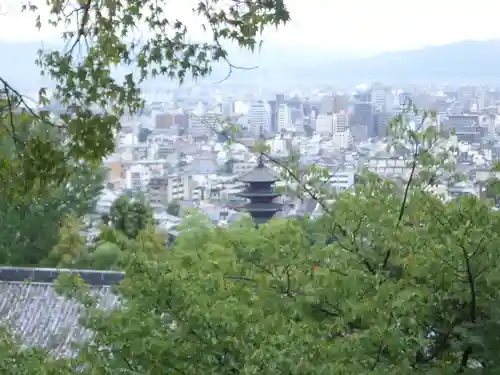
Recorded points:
109,249
16,360
106,256
174,208
71,247
392,279
269,300
151,243
109,234
492,188
33,204
131,216
29,229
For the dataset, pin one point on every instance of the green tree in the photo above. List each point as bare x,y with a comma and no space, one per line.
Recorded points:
131,216
391,279
150,242
27,361
268,300
105,256
71,248
109,234
492,189
29,221
174,208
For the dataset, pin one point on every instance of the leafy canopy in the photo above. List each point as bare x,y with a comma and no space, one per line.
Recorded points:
130,216
174,208
391,279
30,220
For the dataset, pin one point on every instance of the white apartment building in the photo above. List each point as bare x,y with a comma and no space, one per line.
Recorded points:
259,116
342,140
380,96
462,188
127,139
341,137
284,117
137,177
390,167
324,124
165,189
278,146
342,180
340,122
200,125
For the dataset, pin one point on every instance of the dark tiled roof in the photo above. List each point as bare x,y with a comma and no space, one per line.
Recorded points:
259,174
261,207
49,275
248,193
42,318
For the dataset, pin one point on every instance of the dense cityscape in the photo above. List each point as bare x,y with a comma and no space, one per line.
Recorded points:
175,151
168,207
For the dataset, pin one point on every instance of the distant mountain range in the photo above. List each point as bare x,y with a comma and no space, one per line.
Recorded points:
464,62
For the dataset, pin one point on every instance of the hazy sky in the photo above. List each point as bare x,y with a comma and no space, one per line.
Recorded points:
337,27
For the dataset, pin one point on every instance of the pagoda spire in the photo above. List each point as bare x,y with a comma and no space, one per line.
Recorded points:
260,190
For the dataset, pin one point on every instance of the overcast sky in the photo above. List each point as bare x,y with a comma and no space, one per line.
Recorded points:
339,27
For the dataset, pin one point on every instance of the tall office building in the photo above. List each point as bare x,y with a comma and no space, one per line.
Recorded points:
379,96
273,115
341,133
340,122
201,125
340,102
381,121
324,124
362,114
273,111
284,120
259,117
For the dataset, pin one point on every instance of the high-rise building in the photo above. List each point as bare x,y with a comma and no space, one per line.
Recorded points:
379,96
362,114
202,126
284,119
340,122
273,109
340,102
324,124
341,132
381,127
259,118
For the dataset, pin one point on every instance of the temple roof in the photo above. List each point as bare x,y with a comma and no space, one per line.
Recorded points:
258,194
260,174
262,207
32,309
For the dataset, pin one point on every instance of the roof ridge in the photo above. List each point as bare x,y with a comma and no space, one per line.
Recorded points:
49,275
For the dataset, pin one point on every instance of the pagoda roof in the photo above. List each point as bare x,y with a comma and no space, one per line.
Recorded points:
261,207
258,194
260,173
